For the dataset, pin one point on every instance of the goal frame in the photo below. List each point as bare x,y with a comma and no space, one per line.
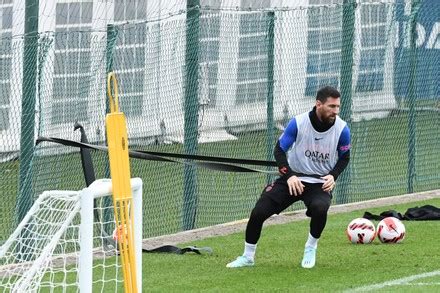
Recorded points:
101,188
85,208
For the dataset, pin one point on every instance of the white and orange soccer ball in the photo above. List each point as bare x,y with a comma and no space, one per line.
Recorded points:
391,230
120,233
361,231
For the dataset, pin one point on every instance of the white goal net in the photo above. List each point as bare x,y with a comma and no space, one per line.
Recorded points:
65,243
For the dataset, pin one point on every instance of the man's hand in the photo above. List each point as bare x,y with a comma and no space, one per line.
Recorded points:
329,183
295,186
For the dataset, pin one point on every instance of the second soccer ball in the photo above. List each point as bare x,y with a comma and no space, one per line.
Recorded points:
391,230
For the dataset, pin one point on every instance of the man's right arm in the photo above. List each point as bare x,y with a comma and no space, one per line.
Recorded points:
285,142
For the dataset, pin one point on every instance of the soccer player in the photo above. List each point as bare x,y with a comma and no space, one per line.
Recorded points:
311,153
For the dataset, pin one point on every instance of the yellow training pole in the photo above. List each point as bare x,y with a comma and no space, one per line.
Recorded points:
120,174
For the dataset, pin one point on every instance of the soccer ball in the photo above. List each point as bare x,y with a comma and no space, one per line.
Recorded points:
391,230
361,231
118,233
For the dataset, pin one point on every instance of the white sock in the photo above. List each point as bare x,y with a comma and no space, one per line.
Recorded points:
249,250
312,242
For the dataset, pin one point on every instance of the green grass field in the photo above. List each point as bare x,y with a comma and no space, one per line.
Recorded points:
411,266
340,265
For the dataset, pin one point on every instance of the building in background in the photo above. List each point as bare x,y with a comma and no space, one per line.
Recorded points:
149,59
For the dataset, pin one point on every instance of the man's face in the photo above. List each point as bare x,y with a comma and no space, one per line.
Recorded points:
327,111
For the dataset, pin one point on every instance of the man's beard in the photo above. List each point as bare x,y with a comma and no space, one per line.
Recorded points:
330,119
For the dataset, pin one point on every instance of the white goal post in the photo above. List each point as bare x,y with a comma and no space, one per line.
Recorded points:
62,243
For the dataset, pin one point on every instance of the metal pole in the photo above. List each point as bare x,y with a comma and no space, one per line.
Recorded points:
191,106
270,83
29,96
110,49
348,27
415,5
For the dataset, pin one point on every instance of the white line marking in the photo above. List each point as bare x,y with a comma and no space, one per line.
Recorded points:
402,281
422,284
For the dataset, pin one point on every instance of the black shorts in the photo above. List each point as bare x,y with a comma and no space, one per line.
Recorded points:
278,192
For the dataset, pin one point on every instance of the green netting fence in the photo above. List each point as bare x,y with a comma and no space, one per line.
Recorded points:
222,81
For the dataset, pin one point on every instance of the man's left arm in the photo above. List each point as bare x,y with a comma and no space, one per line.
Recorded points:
344,145
341,164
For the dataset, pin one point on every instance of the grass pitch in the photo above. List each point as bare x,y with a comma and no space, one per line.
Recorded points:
341,266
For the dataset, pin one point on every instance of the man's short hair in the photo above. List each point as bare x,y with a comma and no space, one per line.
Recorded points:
325,92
